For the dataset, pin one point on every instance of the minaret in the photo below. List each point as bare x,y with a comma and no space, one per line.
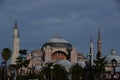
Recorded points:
99,43
15,43
91,51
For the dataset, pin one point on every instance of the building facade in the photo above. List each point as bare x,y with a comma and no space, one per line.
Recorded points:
53,50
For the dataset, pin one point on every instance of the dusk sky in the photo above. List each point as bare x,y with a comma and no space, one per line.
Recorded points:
74,20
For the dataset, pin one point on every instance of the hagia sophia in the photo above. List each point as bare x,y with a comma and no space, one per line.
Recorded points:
55,49
58,49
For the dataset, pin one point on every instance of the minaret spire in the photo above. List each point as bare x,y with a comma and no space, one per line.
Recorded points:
15,43
91,51
99,45
15,25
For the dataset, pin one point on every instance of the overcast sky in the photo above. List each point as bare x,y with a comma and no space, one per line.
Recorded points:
74,20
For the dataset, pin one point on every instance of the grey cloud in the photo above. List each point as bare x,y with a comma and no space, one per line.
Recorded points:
75,20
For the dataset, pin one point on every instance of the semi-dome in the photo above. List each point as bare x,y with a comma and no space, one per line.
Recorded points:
113,55
57,39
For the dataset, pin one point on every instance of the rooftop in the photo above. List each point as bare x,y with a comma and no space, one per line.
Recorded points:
57,39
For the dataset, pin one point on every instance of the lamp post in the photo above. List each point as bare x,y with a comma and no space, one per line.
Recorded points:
114,63
3,69
51,71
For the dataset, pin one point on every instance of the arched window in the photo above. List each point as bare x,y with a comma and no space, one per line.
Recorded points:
59,55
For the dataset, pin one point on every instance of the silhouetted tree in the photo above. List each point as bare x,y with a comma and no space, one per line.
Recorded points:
99,67
21,62
88,72
53,71
6,54
59,72
76,72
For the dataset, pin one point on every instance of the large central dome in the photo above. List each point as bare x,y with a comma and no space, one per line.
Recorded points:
58,42
57,39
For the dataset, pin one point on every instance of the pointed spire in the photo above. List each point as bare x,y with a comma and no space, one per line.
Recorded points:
91,40
99,35
15,26
99,44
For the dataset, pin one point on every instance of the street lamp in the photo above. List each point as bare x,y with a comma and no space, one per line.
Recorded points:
3,69
51,71
114,63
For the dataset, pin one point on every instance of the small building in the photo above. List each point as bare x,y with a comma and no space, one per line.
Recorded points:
109,69
109,58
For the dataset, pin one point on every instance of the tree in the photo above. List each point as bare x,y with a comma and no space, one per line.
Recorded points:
95,71
6,54
45,73
21,62
59,72
21,59
88,72
76,72
53,71
99,67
